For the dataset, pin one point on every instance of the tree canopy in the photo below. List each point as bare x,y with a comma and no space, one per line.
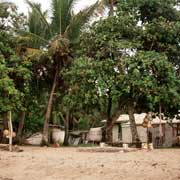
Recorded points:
64,68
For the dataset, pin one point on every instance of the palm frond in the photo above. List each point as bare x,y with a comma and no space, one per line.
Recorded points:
30,39
61,14
35,24
43,19
78,21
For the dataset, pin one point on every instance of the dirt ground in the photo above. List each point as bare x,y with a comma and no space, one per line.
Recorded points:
42,163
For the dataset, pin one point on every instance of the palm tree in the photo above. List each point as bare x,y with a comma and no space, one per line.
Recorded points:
58,32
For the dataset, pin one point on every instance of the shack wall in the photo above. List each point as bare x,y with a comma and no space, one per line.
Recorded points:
115,133
142,132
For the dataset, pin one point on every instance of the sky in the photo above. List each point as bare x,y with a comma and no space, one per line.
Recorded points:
22,6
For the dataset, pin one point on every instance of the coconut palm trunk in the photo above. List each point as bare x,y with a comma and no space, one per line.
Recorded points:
49,109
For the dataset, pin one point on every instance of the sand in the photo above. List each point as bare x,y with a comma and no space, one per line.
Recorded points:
42,163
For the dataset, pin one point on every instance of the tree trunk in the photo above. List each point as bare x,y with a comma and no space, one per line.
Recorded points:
10,131
134,132
112,119
109,131
5,126
5,120
66,126
109,120
160,125
21,125
49,109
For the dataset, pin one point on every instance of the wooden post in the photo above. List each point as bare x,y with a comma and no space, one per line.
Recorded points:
160,125
147,131
10,131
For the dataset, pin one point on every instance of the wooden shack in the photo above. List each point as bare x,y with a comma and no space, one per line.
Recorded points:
170,130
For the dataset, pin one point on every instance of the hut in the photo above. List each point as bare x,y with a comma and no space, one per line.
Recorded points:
170,130
95,134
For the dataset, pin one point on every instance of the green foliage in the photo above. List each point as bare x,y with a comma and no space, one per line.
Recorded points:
132,61
3,13
133,55
158,23
148,10
34,116
15,75
83,124
149,74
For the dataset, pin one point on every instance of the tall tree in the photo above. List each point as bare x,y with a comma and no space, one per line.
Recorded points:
104,44
116,40
15,77
59,34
